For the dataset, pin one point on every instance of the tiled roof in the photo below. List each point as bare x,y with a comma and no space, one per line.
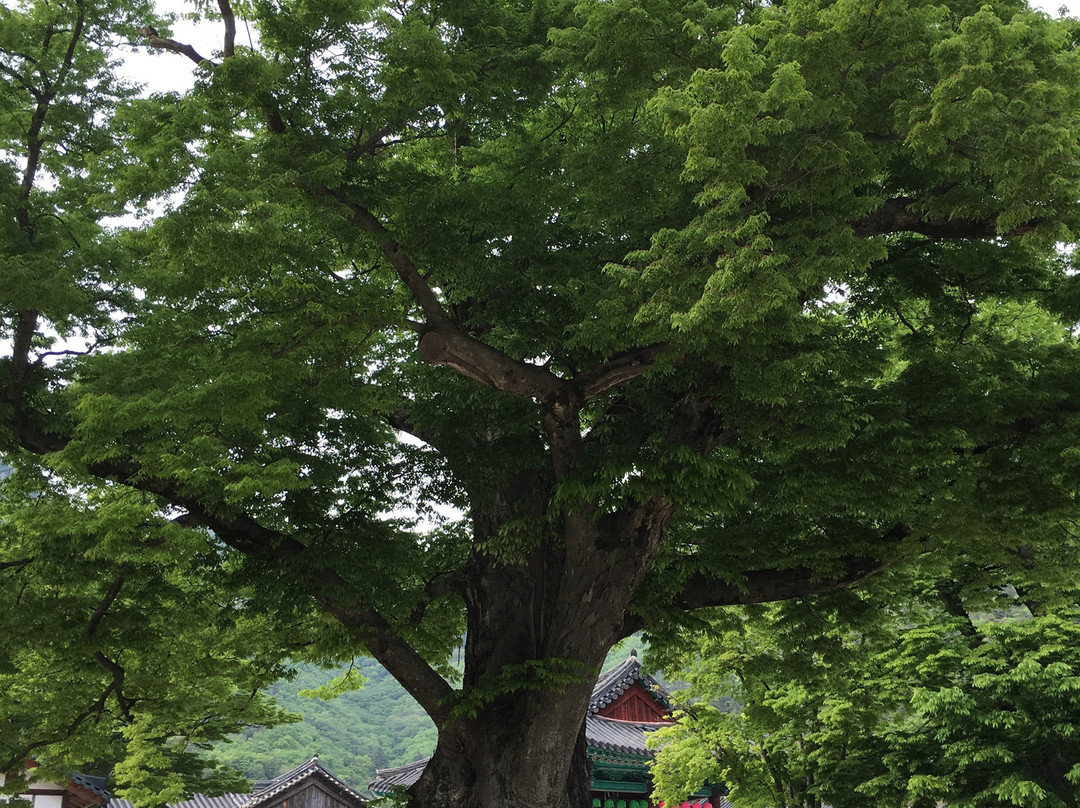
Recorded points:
196,801
403,776
627,737
616,681
95,785
266,791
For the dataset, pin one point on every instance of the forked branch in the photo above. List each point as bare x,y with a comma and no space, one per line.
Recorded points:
433,693
154,40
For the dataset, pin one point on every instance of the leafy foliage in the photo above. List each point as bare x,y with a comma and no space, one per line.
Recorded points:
112,652
846,701
681,303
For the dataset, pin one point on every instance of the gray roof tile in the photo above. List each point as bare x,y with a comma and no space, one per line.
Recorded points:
403,776
196,801
264,791
95,785
627,737
616,681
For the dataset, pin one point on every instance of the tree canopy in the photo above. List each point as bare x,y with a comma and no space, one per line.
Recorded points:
680,304
912,692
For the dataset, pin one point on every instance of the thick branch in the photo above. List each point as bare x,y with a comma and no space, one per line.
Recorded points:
949,595
443,343
19,564
433,693
400,418
449,584
17,76
368,146
418,287
162,43
468,356
34,138
25,328
238,530
117,672
103,607
702,590
622,367
446,344
896,216
27,433
246,535
765,586
33,163
562,426
230,28
697,424
1036,607
73,43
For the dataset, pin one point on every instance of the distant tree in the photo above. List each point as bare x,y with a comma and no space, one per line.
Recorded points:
681,303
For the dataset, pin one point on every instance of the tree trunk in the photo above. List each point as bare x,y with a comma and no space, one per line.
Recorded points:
517,740
509,757
538,631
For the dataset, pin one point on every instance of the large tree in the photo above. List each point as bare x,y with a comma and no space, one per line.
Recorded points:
679,303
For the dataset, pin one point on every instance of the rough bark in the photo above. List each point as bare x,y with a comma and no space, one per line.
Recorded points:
503,759
539,627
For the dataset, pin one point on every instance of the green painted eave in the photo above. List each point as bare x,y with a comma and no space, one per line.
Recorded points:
608,759
620,786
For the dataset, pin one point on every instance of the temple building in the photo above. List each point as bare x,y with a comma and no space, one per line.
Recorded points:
309,785
81,791
626,705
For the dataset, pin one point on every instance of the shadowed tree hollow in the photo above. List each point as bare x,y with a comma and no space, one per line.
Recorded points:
679,304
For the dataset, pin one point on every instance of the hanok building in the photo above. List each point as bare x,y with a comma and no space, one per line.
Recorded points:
626,705
307,786
81,791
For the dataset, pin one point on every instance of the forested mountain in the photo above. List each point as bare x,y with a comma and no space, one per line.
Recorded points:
375,727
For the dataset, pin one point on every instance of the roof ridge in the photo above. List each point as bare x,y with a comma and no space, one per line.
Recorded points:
403,767
312,767
614,682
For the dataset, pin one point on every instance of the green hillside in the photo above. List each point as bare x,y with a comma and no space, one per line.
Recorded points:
376,727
